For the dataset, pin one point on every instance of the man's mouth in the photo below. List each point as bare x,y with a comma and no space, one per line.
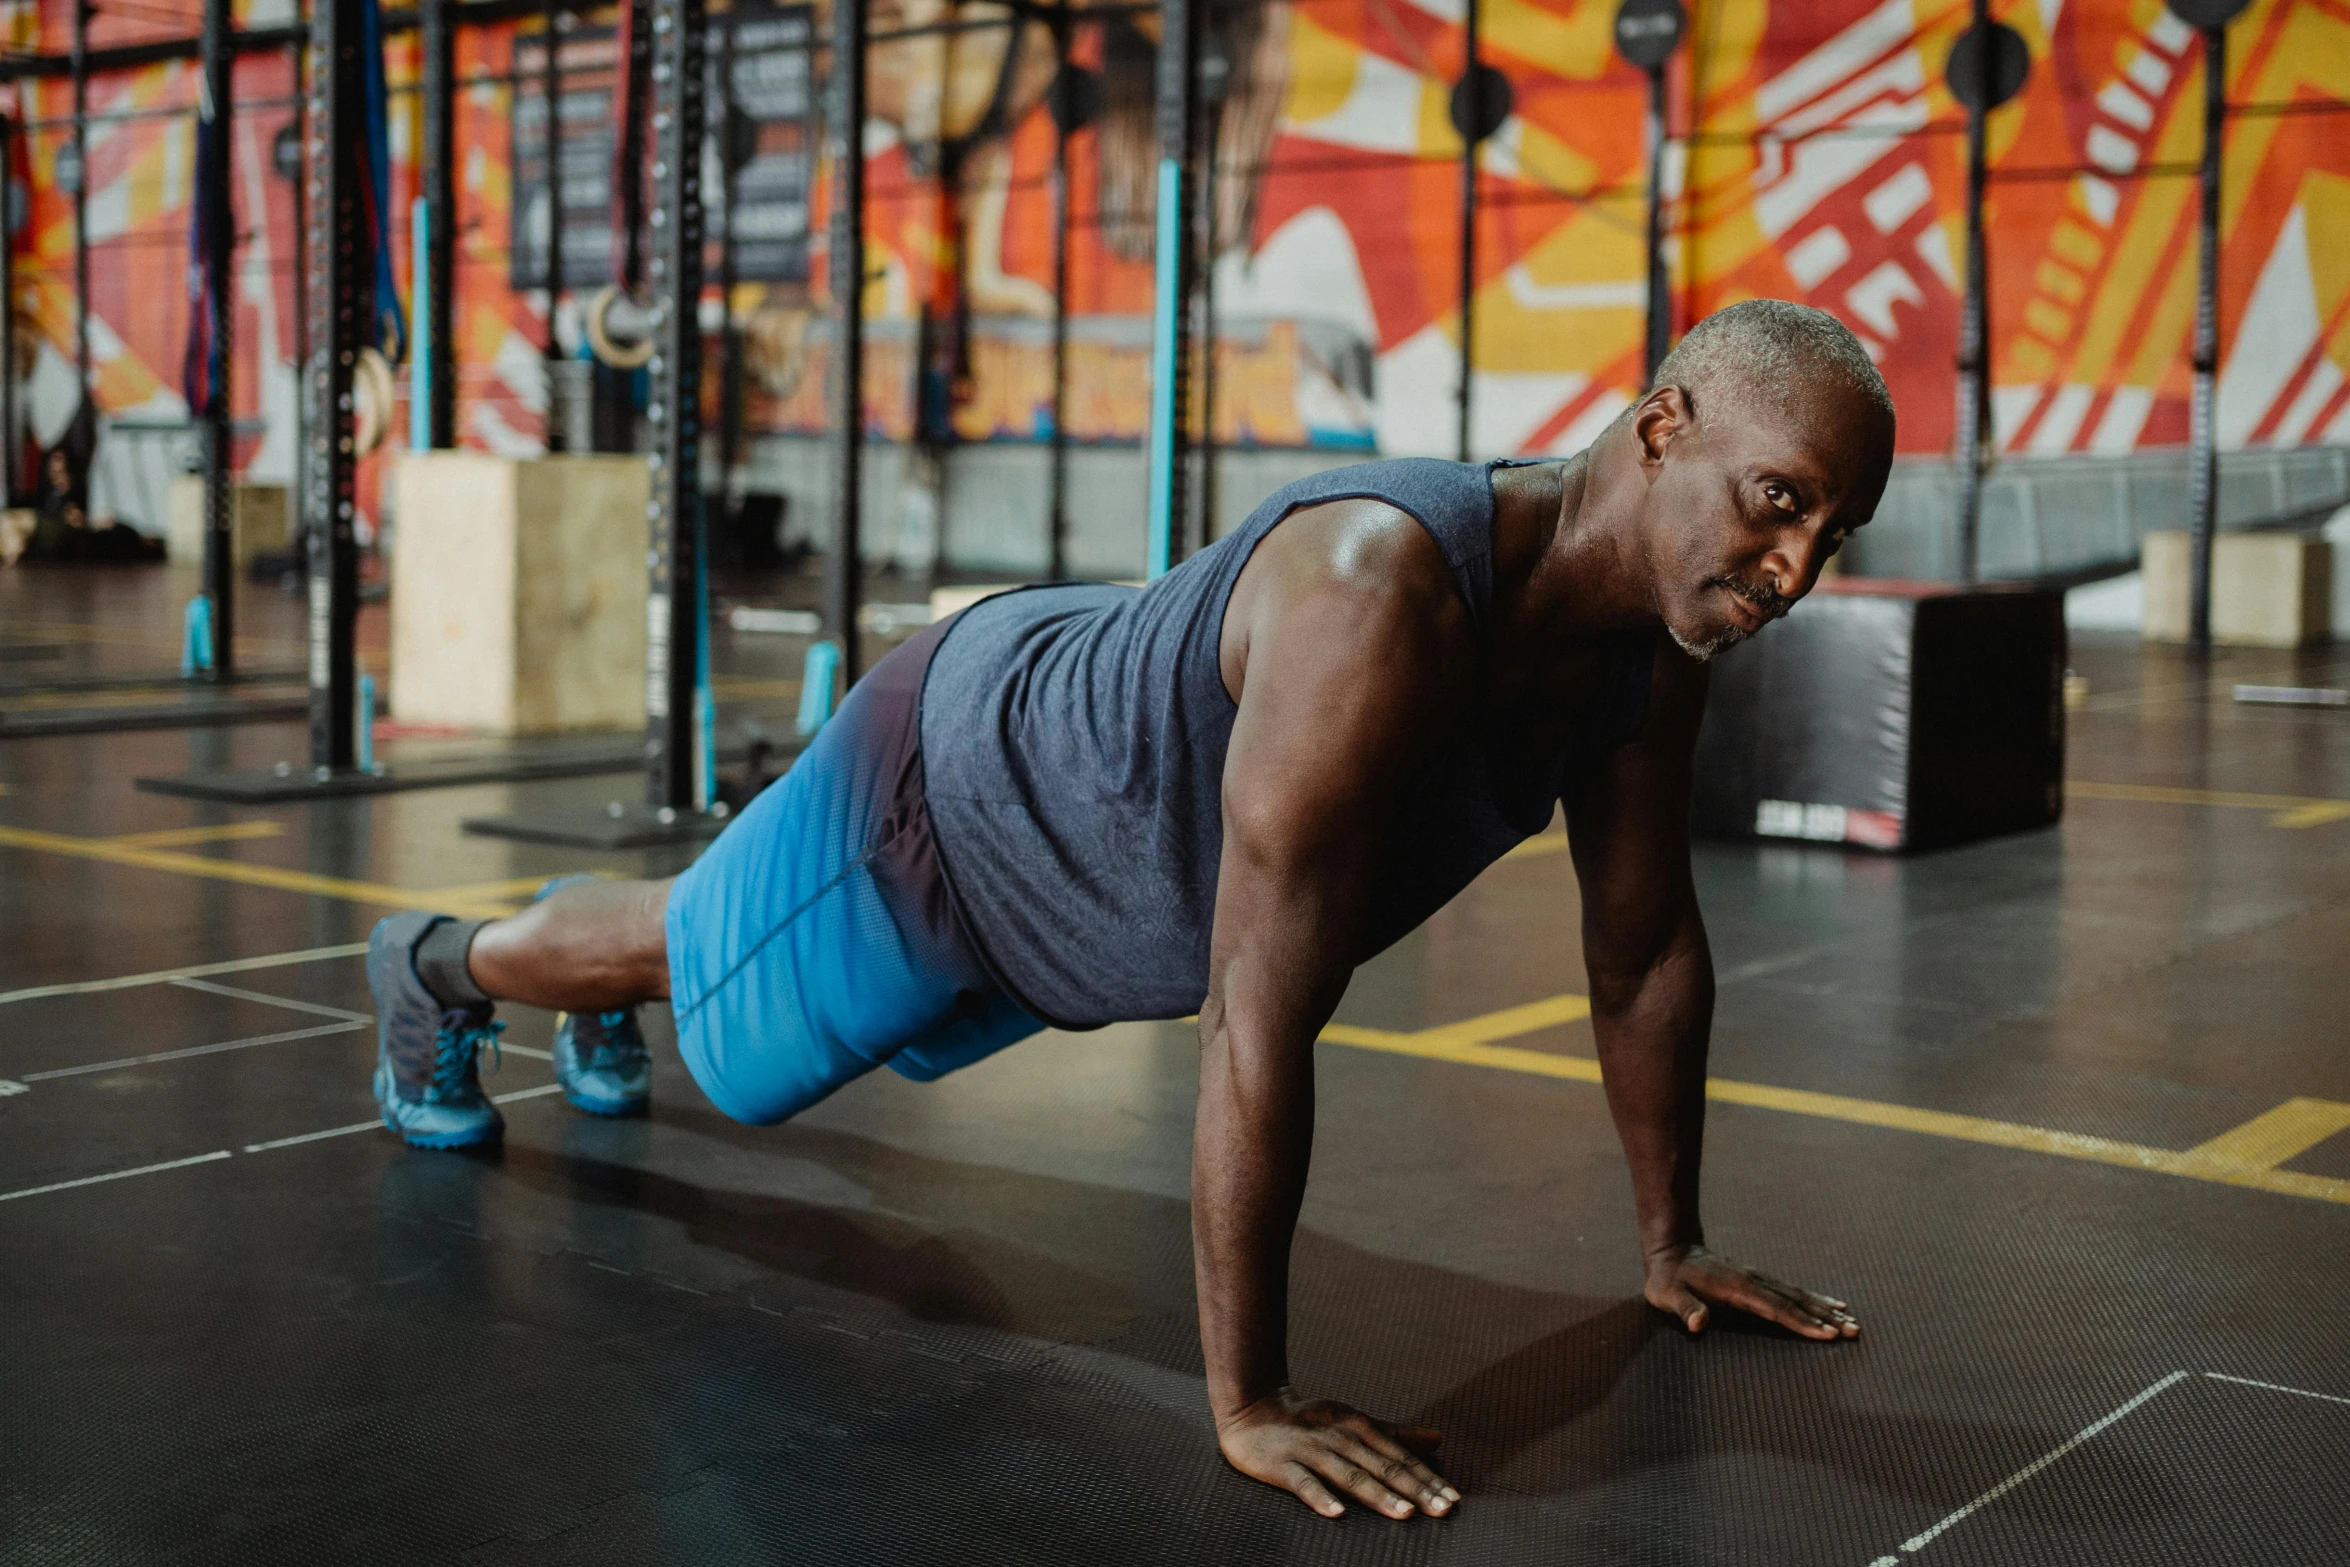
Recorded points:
1750,609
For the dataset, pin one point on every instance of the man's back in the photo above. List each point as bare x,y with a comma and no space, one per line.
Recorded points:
1073,743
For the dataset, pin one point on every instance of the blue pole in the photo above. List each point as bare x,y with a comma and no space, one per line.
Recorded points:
420,387
196,653
817,674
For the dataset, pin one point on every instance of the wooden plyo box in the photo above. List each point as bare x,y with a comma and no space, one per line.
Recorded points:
260,518
518,592
2267,589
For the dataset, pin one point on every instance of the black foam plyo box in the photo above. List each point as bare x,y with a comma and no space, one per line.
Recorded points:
1889,715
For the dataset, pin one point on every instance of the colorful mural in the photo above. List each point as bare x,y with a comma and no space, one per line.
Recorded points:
1818,156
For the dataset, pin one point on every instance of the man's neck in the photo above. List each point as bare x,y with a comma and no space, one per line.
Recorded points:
1565,566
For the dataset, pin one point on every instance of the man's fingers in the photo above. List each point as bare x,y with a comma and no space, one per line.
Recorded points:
1333,1463
1310,1490
1833,1312
1789,1314
1831,1315
1402,1473
1420,1439
1788,1305
1683,1303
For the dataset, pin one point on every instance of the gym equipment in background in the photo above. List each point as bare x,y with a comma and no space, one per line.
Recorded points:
1889,715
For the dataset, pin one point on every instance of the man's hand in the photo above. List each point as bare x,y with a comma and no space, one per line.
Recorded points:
1684,1279
1320,1449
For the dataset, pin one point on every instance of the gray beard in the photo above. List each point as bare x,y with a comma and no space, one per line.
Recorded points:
1703,652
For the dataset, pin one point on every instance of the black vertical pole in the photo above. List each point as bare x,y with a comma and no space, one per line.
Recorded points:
1214,85
10,448
845,130
728,116
80,66
1974,333
2203,459
1468,309
440,205
1660,293
217,226
551,90
673,617
1057,481
1170,435
341,288
303,416
637,63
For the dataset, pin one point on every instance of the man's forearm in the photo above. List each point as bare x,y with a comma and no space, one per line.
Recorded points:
1250,1150
1652,1024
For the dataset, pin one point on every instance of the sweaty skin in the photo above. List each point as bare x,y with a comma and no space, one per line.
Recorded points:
1347,648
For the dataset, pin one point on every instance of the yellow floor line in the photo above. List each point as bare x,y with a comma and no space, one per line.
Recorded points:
2265,1141
1540,844
132,636
143,696
367,892
180,837
513,887
2247,1156
740,688
2288,810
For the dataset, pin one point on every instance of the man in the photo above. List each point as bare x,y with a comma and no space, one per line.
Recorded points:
1219,795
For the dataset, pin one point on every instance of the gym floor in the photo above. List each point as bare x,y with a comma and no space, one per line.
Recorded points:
2065,1116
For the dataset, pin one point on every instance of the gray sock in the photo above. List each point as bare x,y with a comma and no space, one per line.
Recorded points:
440,963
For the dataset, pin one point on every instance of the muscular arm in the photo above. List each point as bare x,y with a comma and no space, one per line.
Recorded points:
1341,642
1652,1003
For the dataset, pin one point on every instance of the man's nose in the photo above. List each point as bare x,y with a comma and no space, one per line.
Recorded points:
1796,558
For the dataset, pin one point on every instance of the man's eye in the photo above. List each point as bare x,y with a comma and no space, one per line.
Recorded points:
1780,496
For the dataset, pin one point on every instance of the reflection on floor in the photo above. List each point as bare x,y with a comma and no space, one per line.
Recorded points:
2062,1115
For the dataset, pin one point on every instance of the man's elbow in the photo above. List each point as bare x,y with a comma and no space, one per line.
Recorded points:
1617,983
1621,973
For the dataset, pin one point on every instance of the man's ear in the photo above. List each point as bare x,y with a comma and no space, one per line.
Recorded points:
1661,418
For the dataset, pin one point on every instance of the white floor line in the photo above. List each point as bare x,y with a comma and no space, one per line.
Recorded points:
93,1180
313,1137
279,1142
369,1126
196,1050
1919,1542
194,971
2276,1387
185,982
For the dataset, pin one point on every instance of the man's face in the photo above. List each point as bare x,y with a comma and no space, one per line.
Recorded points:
1744,507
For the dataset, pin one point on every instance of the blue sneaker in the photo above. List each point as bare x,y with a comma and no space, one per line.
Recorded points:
427,1082
602,1062
600,1057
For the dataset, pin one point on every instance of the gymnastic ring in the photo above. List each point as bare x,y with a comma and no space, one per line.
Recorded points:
612,351
374,392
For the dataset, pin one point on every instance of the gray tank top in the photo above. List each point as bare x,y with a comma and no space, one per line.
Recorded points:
1073,740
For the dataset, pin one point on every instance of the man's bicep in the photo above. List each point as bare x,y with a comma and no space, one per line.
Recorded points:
1342,690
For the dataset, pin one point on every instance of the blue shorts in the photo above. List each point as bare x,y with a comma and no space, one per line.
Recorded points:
816,940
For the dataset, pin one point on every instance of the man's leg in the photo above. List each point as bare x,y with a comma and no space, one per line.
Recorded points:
591,950
588,946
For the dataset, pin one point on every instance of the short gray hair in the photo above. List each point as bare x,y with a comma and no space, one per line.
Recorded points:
1770,348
